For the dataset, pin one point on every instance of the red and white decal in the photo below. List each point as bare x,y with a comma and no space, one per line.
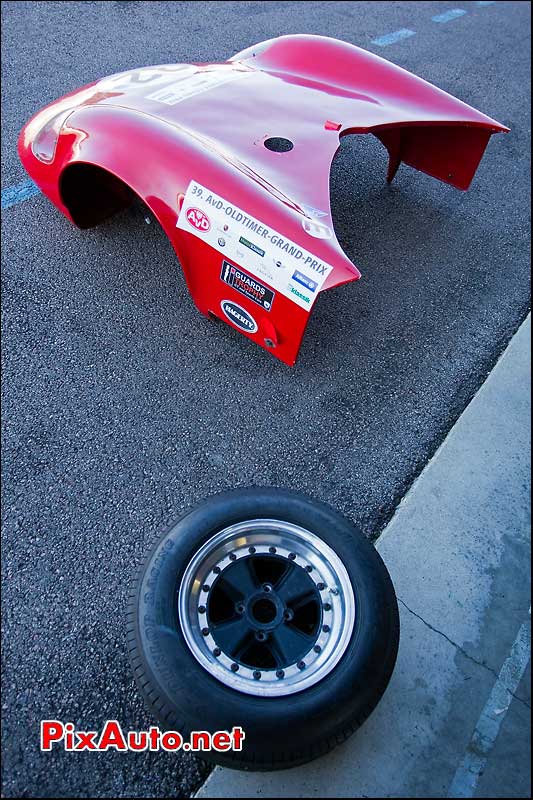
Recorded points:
198,219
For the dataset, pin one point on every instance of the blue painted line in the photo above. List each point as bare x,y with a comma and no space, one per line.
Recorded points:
449,15
19,193
390,38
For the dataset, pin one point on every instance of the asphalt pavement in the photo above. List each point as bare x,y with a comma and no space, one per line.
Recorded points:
122,406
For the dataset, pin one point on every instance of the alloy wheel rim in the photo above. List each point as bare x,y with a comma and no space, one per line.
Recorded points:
266,607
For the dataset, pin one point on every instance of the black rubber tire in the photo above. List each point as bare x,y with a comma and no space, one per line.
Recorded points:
280,732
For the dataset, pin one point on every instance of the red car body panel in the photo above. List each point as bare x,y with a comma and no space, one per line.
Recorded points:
251,227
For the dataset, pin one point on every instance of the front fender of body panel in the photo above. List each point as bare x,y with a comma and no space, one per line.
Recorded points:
234,161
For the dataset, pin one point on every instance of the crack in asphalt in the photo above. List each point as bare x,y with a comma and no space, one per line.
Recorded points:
461,650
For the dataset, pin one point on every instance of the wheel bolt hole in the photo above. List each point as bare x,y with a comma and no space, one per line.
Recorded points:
280,673
234,667
301,665
261,636
288,615
257,675
239,608
267,587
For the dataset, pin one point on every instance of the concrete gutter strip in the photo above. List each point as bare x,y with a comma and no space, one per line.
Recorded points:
455,719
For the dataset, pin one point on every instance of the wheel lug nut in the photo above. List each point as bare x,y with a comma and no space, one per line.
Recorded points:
217,651
308,568
287,615
205,587
267,587
201,609
292,556
232,557
260,636
251,549
234,667
301,665
217,570
326,628
321,586
280,673
327,606
239,608
272,550
205,631
257,675
317,648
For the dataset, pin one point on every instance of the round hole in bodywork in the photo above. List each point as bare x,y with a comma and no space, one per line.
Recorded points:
278,144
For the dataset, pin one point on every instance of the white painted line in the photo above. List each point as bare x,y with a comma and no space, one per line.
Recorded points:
391,38
489,723
447,16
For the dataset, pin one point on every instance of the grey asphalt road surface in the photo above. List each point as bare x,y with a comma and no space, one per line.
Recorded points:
122,406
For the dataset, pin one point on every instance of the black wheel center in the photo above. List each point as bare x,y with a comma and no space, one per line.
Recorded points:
264,610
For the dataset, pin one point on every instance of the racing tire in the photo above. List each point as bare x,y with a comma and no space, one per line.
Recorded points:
266,610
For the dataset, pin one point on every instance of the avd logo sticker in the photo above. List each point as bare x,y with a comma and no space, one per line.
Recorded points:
198,219
239,316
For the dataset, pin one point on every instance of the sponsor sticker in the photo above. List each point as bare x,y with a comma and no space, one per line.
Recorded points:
247,285
197,218
239,316
252,246
269,256
305,281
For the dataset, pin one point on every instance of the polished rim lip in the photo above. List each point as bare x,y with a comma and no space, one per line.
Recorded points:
287,537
